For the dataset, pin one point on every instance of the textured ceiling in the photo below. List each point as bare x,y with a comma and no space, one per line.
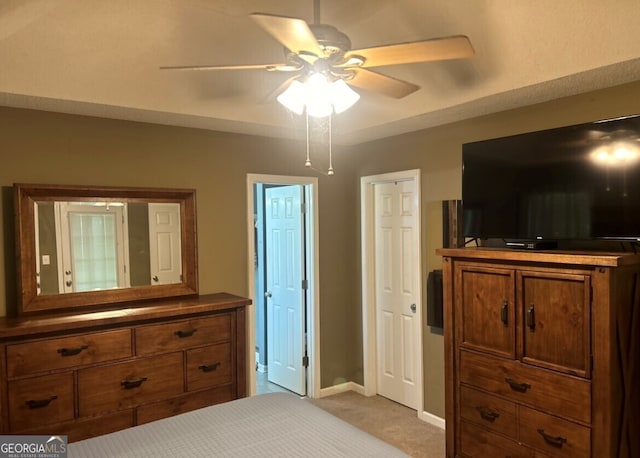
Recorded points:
101,58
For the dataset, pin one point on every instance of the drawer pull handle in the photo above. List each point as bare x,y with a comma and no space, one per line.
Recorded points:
487,414
183,334
129,384
504,317
209,368
72,351
39,403
517,386
556,441
531,318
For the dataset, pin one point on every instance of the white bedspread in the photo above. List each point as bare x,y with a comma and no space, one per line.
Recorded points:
268,425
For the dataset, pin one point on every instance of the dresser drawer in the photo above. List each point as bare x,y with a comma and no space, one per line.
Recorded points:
60,353
180,335
488,411
124,385
184,403
554,435
532,386
209,366
40,401
476,442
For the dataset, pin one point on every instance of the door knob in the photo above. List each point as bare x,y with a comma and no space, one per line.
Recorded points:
413,308
267,294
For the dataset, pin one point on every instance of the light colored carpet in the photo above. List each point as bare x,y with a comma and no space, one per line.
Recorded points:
387,420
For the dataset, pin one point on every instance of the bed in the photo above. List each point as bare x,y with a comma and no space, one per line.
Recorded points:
267,425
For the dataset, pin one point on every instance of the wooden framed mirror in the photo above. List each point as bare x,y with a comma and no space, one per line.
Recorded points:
80,246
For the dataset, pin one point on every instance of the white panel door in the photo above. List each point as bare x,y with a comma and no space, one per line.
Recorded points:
165,244
396,265
285,295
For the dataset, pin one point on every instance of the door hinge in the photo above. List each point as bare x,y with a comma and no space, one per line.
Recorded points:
305,284
303,207
305,361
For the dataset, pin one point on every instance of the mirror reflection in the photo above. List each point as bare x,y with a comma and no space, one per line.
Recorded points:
102,245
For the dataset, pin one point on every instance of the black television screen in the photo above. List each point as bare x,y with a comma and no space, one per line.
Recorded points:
580,182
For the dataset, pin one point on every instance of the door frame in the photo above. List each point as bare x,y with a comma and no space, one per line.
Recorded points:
369,339
313,274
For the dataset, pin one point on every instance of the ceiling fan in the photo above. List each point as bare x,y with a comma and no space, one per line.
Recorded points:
322,49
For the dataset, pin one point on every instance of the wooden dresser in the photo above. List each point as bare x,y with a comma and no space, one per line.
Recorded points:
91,373
542,353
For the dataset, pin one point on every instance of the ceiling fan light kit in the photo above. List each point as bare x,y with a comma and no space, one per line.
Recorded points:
326,65
318,96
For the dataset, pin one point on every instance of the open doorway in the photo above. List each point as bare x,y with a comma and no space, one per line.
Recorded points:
283,277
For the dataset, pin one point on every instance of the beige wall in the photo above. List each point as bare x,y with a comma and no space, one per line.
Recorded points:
39,147
438,153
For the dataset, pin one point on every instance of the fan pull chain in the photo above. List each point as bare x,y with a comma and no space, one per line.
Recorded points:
307,163
330,170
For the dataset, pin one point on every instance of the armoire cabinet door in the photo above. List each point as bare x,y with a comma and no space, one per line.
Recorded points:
485,308
555,319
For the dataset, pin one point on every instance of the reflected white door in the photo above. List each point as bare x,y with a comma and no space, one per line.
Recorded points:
285,294
396,267
165,243
92,248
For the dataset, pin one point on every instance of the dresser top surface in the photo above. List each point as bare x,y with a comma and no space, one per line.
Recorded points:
586,258
33,325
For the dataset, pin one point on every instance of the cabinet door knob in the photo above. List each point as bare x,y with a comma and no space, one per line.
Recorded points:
504,313
531,318
413,308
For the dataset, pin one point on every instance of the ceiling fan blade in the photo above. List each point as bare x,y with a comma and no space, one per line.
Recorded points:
445,48
293,33
268,67
382,84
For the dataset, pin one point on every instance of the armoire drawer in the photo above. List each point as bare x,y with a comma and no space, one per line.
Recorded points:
209,366
119,386
532,386
65,352
553,435
40,401
489,411
180,335
477,442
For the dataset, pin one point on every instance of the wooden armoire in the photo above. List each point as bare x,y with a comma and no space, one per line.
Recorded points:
542,353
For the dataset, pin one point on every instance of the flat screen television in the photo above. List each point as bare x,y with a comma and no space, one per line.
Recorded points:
572,183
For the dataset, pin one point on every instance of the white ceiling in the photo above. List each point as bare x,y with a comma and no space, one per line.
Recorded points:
101,58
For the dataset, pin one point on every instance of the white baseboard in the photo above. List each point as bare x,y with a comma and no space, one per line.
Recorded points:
342,388
261,367
432,419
